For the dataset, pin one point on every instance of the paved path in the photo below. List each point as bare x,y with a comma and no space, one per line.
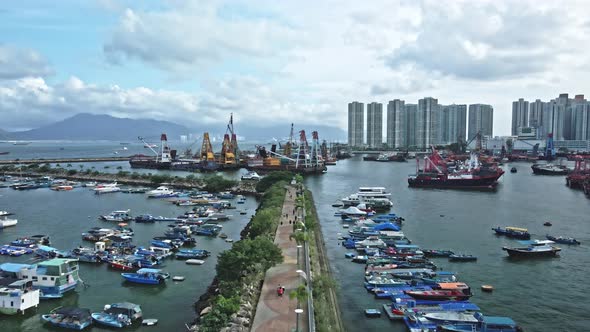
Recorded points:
275,313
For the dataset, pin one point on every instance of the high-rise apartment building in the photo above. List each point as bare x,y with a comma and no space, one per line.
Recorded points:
454,123
396,124
481,119
411,112
536,113
356,123
520,115
580,119
374,125
428,121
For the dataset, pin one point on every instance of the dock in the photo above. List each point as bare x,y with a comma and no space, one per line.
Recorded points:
62,160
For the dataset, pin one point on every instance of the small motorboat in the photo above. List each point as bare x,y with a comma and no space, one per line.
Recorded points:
5,213
146,276
118,314
513,170
562,239
462,258
178,278
149,322
437,253
195,262
547,223
487,288
192,254
6,222
439,295
223,236
228,240
371,313
69,318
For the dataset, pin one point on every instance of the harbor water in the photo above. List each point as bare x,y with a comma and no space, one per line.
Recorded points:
541,295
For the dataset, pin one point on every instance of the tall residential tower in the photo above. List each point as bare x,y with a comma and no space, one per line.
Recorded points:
481,119
396,124
356,123
374,125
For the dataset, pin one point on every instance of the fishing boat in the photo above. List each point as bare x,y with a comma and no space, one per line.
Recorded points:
118,315
122,264
251,176
69,318
562,239
462,258
146,276
439,295
17,296
550,169
192,253
472,174
514,232
534,248
7,222
53,277
117,216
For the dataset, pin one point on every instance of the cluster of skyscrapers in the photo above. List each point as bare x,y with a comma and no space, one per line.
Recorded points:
416,126
565,118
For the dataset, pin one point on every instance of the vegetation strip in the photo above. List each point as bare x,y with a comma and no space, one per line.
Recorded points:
325,302
231,299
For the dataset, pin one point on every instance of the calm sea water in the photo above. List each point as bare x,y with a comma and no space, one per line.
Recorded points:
65,215
541,295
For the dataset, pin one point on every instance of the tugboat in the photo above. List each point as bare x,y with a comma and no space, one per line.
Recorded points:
472,175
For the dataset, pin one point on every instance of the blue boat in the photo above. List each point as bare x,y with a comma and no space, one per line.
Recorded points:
165,243
192,254
146,276
118,315
69,318
484,324
14,251
562,239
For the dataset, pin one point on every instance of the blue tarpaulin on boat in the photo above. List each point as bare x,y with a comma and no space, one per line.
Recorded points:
496,320
459,306
386,227
13,267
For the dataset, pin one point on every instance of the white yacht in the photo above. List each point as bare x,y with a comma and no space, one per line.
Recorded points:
160,191
376,196
106,188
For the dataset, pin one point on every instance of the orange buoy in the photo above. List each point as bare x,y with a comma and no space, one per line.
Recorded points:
487,288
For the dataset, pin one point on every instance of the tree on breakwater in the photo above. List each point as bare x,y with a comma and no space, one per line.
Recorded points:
245,263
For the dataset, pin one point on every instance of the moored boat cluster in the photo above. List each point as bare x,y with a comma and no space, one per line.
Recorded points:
420,295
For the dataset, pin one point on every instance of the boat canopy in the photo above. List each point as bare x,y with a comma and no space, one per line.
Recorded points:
406,246
516,229
146,270
452,285
459,306
122,308
353,210
13,267
386,227
498,321
536,242
79,313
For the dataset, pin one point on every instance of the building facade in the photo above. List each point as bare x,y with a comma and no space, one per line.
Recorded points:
428,123
520,115
481,119
356,123
454,123
411,112
396,124
374,125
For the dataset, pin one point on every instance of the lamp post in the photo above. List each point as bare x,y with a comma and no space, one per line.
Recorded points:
298,312
298,247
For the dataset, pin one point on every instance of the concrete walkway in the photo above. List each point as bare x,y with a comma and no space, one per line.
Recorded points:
275,313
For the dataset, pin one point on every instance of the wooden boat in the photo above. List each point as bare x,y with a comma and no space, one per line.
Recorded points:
562,239
69,318
462,258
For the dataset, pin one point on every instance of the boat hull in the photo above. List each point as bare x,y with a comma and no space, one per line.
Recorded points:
545,171
71,326
131,277
488,182
525,253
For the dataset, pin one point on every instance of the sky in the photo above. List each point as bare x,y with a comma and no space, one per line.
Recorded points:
276,62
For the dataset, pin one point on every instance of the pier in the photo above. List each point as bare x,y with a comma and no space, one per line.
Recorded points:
62,160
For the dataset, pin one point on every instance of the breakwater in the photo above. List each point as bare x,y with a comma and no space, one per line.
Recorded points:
62,160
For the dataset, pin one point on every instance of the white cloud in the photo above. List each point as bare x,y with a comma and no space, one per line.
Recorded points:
17,63
280,61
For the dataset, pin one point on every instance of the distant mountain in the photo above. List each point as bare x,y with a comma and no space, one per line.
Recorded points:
85,126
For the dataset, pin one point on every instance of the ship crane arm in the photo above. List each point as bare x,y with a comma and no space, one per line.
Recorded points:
147,145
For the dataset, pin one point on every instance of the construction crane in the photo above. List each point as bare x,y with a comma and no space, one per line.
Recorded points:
288,150
234,139
206,149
